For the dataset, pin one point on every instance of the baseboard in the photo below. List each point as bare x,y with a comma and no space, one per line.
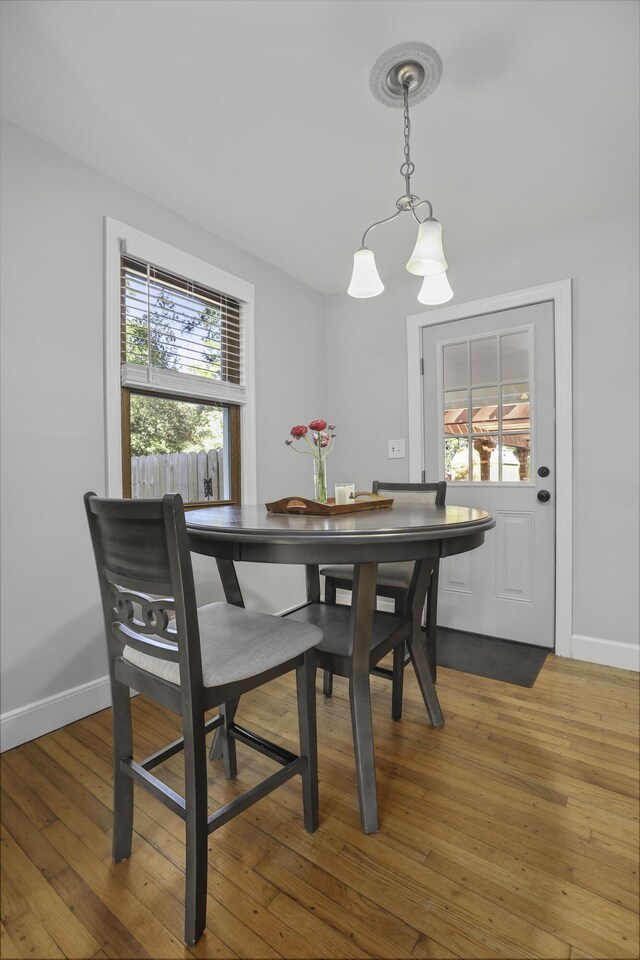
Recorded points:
43,716
609,653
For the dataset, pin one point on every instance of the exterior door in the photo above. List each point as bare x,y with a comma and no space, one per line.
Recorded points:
488,390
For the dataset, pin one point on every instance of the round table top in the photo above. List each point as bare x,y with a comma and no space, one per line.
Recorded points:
398,523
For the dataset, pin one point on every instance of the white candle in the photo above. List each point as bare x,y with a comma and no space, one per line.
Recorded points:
345,492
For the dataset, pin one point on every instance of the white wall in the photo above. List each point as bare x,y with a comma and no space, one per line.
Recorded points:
367,386
53,415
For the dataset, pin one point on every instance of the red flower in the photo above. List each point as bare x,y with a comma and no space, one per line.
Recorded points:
299,431
317,425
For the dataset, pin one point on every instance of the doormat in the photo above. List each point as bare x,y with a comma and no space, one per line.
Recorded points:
506,660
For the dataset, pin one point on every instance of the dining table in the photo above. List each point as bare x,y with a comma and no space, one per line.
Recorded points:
423,533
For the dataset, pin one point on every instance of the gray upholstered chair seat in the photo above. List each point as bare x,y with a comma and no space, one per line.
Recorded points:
235,644
389,574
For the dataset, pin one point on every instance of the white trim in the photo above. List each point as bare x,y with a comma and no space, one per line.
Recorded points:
610,653
43,716
560,294
174,381
145,247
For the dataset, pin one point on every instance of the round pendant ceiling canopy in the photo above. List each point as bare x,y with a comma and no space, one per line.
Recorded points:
414,63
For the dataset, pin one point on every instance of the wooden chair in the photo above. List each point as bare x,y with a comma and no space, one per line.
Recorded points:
394,580
189,660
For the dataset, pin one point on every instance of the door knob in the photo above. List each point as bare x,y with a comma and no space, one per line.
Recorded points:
544,496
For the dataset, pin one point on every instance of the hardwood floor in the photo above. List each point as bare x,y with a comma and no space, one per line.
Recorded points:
511,832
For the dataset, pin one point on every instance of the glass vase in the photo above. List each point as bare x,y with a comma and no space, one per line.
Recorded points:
320,480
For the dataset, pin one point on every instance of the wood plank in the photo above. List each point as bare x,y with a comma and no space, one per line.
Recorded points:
30,839
22,793
31,937
374,930
8,949
112,934
14,904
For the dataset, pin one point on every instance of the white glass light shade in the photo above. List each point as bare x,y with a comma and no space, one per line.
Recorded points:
435,290
427,259
365,280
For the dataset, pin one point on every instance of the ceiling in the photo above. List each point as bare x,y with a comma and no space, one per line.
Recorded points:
253,118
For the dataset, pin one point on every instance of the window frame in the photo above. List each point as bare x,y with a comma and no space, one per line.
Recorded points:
120,239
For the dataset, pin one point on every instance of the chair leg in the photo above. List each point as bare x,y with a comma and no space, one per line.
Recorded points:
397,681
197,834
425,682
432,653
329,597
329,590
217,751
228,711
362,729
306,690
122,784
399,662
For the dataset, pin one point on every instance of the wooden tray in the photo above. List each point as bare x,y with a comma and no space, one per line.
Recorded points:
313,508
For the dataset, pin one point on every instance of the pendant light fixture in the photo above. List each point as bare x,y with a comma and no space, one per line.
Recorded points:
406,74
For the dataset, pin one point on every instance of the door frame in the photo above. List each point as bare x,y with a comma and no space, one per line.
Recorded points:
559,293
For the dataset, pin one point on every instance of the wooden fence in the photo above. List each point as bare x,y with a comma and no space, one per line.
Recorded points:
183,473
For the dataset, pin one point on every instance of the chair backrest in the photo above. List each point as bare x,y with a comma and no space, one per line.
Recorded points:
144,567
413,493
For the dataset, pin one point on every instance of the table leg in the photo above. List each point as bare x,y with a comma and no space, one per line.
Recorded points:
312,574
362,607
417,592
312,571
232,594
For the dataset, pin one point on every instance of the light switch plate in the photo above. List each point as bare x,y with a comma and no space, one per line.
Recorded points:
396,450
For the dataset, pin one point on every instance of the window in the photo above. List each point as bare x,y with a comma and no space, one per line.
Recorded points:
486,402
184,402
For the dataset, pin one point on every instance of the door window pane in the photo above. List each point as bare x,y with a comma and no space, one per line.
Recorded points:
516,406
456,458
515,356
485,403
515,392
516,457
484,360
455,365
456,412
484,458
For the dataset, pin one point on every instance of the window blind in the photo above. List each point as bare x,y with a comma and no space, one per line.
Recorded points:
179,336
